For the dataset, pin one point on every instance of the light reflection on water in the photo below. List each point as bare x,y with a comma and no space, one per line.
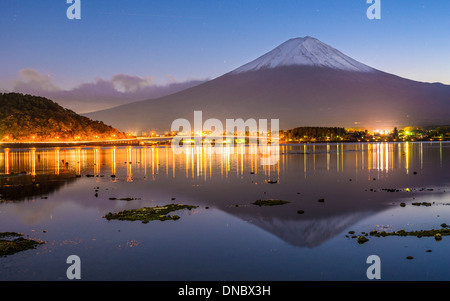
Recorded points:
53,190
200,161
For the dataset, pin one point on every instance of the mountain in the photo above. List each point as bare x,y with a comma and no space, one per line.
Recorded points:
25,116
303,82
306,51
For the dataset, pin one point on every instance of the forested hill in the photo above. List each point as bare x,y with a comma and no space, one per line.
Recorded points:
27,118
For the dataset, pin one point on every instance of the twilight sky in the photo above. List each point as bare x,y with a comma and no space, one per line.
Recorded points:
138,49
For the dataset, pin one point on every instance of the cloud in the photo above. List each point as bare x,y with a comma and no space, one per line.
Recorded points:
172,78
31,79
99,94
128,83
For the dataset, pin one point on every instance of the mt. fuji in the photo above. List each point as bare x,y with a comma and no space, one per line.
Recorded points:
306,51
302,82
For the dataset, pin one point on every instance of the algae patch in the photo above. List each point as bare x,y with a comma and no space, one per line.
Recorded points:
270,202
148,214
124,199
426,204
437,234
12,243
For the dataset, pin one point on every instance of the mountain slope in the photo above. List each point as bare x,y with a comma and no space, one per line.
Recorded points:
24,116
323,91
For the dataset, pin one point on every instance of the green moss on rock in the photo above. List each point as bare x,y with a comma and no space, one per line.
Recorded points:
362,239
148,214
421,233
10,234
15,243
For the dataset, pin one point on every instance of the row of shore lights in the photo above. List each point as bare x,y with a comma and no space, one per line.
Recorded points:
153,134
173,133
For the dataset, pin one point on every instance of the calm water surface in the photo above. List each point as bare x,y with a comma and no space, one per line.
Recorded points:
60,195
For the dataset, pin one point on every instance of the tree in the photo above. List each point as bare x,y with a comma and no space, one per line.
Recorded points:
395,133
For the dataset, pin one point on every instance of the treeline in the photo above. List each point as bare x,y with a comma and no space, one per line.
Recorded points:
23,117
439,131
319,133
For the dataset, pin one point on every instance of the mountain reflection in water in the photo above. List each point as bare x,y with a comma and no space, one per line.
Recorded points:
353,179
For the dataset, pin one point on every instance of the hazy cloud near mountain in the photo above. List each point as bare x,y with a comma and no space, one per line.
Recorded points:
100,94
32,79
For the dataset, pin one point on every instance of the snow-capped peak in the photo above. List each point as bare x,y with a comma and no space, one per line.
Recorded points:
305,51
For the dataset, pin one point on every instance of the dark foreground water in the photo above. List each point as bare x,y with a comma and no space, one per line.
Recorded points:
60,196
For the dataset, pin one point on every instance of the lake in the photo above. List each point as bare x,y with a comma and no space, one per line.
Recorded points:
61,195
